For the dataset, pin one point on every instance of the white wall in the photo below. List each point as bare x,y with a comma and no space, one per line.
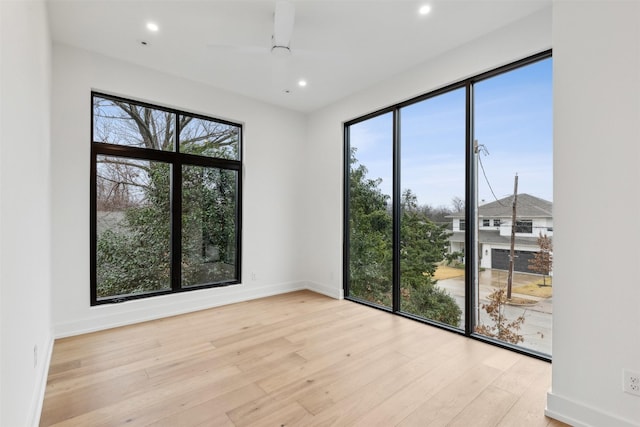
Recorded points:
324,145
596,318
25,226
273,140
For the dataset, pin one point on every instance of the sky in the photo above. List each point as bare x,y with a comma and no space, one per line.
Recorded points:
513,121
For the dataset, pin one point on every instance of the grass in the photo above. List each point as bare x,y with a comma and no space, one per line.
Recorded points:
444,272
535,289
527,284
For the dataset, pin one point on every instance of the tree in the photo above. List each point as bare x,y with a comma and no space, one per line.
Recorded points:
439,215
423,245
370,237
458,204
542,261
133,200
501,329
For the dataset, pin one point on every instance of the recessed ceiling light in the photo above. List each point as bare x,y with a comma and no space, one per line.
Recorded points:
302,83
152,26
424,10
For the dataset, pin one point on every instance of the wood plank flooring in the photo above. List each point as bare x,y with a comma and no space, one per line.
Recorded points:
299,359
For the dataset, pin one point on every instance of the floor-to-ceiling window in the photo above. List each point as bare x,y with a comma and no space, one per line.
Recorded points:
448,207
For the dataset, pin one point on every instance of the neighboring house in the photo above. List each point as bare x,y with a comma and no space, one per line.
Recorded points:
533,217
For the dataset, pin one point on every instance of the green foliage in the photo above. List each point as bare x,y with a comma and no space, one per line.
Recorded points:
423,245
134,255
208,225
453,259
430,301
370,238
129,263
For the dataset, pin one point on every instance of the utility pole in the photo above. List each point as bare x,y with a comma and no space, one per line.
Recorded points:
473,256
513,237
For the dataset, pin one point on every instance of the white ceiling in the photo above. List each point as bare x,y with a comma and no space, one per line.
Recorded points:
339,47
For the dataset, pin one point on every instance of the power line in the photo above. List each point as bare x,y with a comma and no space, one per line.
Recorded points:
482,149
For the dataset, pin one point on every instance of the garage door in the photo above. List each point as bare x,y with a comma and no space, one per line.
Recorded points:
500,260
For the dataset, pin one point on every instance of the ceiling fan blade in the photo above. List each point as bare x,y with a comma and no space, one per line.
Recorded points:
280,69
283,23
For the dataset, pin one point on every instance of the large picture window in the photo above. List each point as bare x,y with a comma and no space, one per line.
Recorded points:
424,181
166,204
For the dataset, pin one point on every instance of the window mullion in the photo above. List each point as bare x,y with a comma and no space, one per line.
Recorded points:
397,214
471,225
93,219
176,226
176,215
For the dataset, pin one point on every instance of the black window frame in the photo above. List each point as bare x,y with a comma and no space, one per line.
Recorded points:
524,226
177,160
470,226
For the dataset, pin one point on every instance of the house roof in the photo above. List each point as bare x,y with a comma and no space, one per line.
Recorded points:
526,206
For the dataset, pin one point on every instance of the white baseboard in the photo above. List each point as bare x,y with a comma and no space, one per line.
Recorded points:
136,311
329,291
41,386
143,310
580,415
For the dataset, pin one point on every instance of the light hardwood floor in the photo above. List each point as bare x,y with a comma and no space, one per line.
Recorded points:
298,359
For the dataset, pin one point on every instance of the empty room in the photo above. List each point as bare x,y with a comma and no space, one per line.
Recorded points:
317,212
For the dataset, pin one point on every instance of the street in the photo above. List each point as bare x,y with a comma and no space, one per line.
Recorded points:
537,327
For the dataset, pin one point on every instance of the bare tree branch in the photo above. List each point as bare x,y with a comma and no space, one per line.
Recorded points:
124,163
132,111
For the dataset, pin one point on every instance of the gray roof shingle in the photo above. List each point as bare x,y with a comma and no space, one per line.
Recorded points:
527,206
